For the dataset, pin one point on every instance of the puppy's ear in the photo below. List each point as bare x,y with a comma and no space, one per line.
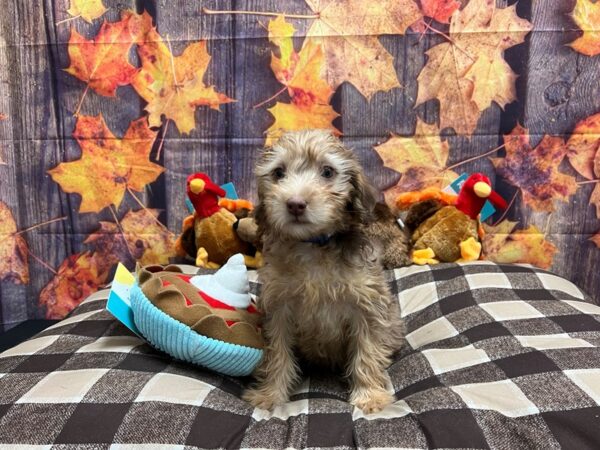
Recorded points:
259,213
363,198
259,216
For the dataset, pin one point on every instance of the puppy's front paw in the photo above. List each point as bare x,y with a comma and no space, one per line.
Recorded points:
371,400
263,398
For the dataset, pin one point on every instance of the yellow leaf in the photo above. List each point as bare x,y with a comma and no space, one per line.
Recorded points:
583,144
349,30
302,74
88,10
173,86
289,117
479,34
13,249
503,245
420,160
108,165
280,34
493,81
586,15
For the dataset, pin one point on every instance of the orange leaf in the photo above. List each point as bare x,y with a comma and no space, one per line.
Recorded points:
419,159
108,165
595,199
596,239
143,239
290,117
349,30
583,153
13,250
440,10
504,245
586,15
78,277
468,73
88,10
103,63
302,74
535,170
582,146
172,85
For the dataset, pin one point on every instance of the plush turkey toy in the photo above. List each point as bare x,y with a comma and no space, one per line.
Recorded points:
445,227
209,235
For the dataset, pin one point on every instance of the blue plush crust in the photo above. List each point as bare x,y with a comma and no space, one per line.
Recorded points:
180,341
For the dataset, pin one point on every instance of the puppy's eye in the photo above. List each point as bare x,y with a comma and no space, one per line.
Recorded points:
327,172
278,173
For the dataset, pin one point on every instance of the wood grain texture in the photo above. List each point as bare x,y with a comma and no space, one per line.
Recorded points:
563,87
556,88
29,137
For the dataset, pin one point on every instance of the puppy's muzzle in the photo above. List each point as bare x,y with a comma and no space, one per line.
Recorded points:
296,206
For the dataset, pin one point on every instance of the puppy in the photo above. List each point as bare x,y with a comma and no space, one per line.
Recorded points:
324,294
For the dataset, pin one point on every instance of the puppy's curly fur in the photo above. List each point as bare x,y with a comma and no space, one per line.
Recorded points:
325,299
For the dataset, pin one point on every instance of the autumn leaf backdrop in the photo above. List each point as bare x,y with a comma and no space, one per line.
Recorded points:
106,106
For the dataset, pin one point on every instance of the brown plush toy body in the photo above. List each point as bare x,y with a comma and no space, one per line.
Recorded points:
209,235
443,231
446,227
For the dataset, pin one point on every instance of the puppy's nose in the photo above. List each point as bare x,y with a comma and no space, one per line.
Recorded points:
296,206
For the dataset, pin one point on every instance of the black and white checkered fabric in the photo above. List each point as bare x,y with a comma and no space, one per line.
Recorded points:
498,356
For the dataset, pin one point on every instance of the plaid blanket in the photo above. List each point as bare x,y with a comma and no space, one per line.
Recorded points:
497,356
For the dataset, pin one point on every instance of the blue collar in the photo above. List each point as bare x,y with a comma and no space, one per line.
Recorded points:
321,240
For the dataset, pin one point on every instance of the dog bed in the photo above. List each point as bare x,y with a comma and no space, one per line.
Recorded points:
497,356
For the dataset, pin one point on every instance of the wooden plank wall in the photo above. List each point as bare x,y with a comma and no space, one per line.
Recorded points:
556,88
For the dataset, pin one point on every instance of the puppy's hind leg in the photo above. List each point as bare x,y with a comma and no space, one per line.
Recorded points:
278,372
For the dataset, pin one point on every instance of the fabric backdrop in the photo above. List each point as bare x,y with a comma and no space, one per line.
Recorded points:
107,105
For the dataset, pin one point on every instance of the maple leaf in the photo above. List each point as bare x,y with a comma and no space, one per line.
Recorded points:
301,73
586,15
108,165
468,73
13,249
349,30
419,159
88,10
596,239
583,144
290,117
143,238
535,170
440,10
502,244
584,154
173,85
78,276
103,62
595,199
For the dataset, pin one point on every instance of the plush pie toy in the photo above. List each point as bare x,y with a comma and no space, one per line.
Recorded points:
208,320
